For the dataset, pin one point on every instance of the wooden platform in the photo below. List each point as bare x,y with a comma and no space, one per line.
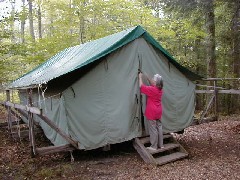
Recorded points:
172,150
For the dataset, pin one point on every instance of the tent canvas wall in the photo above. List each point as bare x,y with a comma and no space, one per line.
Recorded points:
92,89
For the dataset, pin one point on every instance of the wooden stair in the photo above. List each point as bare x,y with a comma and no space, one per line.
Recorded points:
172,150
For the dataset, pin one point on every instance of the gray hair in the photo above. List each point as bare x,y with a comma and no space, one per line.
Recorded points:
159,81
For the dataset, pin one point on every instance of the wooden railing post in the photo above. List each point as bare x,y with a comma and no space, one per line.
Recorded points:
31,125
9,119
216,101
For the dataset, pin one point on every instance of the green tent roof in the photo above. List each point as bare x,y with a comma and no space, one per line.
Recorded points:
73,58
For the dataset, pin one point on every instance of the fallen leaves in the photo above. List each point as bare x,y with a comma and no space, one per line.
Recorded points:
214,153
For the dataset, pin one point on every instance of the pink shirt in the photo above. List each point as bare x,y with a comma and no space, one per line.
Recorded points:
154,102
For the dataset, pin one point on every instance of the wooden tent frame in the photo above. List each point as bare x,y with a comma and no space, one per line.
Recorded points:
214,97
27,111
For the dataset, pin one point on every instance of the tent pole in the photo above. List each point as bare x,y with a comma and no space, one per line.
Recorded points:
31,125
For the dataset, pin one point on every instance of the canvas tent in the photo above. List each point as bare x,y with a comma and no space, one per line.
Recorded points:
91,90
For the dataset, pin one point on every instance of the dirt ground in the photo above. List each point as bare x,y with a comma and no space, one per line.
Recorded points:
214,153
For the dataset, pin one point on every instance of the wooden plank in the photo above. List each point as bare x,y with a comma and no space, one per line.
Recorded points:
200,85
147,157
58,130
204,91
221,79
171,157
167,147
33,110
54,149
230,91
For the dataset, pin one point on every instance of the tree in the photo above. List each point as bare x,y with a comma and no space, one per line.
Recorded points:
210,40
235,28
22,17
30,17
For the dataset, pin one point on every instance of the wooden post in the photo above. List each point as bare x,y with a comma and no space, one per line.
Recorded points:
31,125
9,119
215,101
207,107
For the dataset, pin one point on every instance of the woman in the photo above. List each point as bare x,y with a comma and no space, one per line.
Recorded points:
153,110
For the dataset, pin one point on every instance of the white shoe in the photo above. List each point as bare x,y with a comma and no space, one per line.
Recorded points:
151,148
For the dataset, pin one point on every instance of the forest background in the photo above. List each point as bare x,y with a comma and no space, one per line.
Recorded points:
202,35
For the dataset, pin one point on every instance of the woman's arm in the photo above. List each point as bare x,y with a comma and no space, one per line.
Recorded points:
149,80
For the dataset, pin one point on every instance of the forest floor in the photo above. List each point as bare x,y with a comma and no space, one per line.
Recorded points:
214,153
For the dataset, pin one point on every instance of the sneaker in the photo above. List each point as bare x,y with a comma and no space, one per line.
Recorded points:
151,148
162,147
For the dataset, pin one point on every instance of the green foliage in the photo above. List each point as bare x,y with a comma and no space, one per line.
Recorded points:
177,25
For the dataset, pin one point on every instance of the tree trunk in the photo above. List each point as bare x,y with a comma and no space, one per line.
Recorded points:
236,39
31,20
39,13
210,41
23,22
12,21
236,52
81,29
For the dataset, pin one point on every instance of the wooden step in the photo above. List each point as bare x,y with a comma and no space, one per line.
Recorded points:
167,147
146,139
169,158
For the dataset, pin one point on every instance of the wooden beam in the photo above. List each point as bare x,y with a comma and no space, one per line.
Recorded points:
200,85
58,130
54,149
221,79
231,91
33,110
